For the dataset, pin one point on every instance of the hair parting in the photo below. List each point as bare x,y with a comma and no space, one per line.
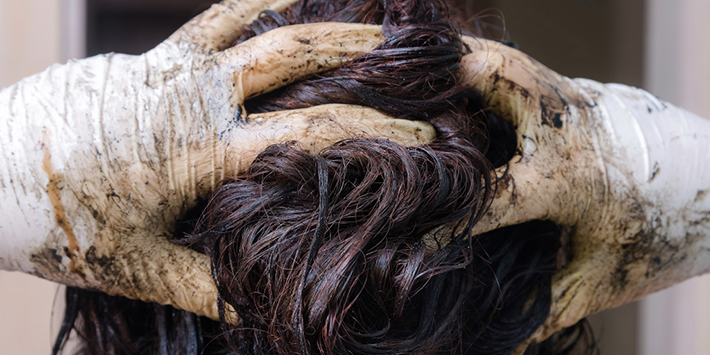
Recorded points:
326,252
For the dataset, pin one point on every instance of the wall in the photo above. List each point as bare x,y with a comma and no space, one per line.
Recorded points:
29,37
29,42
677,321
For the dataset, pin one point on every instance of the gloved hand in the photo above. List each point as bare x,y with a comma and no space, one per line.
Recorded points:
102,156
628,173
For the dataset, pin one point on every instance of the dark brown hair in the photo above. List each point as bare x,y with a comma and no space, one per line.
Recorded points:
326,252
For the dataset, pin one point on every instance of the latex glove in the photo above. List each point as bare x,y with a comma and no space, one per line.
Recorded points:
102,156
628,173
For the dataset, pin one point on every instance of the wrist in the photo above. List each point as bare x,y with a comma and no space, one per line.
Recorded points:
660,150
39,136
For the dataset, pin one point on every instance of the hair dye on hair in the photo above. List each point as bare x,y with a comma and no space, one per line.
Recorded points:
325,252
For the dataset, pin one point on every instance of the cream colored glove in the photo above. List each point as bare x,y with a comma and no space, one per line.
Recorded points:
628,173
102,156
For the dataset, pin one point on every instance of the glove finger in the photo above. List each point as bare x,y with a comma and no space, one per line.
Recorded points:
318,127
517,88
521,194
219,26
284,55
152,269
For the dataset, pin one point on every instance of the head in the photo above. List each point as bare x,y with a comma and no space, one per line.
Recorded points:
329,252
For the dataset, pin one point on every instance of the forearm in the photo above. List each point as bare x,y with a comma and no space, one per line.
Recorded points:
653,228
75,135
87,191
43,129
666,150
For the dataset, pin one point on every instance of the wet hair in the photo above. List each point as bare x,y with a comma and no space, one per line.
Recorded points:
365,247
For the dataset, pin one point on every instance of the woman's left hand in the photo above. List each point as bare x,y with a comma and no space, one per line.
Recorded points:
625,171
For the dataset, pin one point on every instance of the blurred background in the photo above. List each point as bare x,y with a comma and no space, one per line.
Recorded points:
660,45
